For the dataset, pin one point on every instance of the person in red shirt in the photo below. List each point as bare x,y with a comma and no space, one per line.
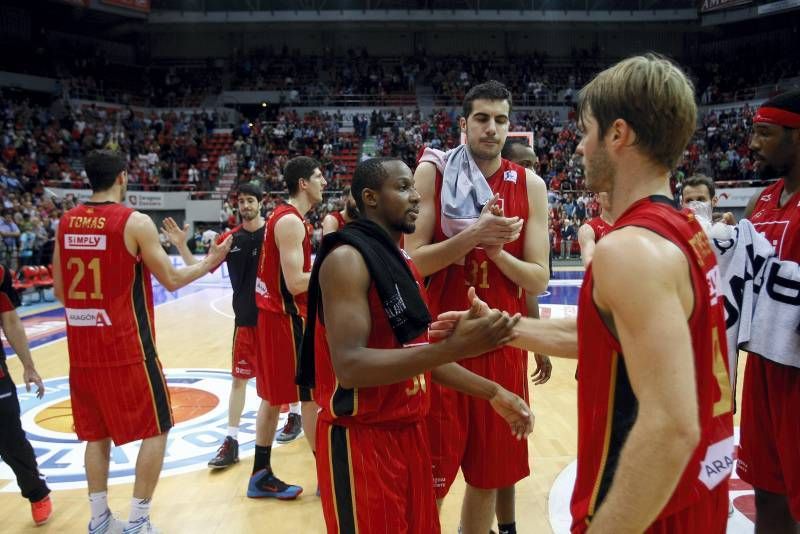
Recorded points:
770,429
103,258
284,269
373,369
655,425
594,229
336,220
15,449
504,254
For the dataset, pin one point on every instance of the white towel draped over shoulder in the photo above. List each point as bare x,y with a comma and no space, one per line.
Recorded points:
762,297
465,190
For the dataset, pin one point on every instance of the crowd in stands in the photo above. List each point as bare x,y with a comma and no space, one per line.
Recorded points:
44,145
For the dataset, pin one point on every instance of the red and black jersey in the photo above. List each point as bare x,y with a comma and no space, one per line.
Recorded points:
600,227
401,403
272,294
607,405
448,288
108,295
339,219
242,262
779,223
9,298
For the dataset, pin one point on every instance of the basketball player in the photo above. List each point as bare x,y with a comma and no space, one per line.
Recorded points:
770,429
336,220
517,150
655,429
284,268
504,257
242,264
102,262
374,464
15,449
594,229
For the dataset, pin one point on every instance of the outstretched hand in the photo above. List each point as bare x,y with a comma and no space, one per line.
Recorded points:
444,325
173,232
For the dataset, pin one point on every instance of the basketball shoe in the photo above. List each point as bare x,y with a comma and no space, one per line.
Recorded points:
292,429
264,484
141,526
108,524
227,454
42,510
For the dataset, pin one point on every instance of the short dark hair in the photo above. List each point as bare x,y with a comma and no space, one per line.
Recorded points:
509,145
369,174
249,189
102,168
297,168
491,90
697,180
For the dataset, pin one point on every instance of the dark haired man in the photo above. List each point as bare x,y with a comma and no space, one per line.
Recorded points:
483,222
335,220
374,372
242,262
102,262
768,455
284,268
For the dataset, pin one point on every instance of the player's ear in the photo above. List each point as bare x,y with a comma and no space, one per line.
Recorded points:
370,197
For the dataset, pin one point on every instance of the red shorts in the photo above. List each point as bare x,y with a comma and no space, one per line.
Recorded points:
374,479
707,516
466,432
126,403
279,339
769,458
244,350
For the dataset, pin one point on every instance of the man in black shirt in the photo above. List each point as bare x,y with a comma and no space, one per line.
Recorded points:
15,449
242,265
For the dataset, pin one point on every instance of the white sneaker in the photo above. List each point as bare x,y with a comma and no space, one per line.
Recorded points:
142,526
108,525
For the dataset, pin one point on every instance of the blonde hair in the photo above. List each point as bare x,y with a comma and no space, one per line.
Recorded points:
653,96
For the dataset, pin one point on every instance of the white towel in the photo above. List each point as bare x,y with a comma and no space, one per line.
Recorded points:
465,190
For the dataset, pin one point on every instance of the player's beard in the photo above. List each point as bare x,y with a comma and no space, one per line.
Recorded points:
248,215
600,171
768,171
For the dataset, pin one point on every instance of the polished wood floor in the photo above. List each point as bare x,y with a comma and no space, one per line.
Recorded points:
196,331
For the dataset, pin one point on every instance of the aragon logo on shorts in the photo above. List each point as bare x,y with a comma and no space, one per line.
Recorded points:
87,317
200,407
741,494
84,242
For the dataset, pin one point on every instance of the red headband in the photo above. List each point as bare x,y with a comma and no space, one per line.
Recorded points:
781,117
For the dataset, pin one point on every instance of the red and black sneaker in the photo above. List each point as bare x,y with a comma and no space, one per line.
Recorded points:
227,454
291,430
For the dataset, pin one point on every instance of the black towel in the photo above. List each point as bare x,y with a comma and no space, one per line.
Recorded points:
397,288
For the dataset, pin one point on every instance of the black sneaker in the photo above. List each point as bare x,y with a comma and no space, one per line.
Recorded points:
227,454
291,430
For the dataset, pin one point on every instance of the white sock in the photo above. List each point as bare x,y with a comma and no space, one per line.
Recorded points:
99,505
139,508
294,408
233,431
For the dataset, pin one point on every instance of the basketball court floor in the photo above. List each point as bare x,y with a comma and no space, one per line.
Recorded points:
194,332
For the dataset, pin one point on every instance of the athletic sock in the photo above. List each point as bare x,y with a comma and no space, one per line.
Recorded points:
294,408
262,459
140,508
98,502
508,528
233,431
